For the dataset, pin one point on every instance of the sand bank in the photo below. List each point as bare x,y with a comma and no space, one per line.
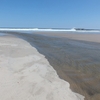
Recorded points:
27,75
84,36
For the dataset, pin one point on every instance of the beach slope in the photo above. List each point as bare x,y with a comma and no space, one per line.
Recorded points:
27,75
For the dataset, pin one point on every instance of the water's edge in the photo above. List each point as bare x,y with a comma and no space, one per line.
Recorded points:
75,61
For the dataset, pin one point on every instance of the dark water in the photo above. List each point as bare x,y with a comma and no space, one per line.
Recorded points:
77,62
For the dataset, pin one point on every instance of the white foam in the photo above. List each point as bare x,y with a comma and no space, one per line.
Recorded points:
35,29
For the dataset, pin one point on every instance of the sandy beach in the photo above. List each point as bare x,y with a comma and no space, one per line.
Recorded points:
83,36
76,61
25,74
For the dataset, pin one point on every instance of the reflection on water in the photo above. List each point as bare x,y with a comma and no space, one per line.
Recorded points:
75,61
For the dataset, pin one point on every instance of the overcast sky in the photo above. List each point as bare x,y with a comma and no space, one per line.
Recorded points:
50,13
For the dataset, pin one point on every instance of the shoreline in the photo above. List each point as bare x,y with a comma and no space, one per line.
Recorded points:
51,46
82,36
25,63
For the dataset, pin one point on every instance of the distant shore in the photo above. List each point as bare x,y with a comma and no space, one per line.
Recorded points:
91,36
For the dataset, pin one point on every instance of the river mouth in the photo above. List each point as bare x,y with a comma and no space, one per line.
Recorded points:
77,62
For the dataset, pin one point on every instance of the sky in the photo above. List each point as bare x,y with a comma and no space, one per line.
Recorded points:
50,13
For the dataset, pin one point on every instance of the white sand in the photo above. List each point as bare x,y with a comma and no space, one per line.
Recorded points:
27,75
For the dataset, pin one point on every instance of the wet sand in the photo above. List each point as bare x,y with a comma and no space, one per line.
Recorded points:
77,62
85,36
